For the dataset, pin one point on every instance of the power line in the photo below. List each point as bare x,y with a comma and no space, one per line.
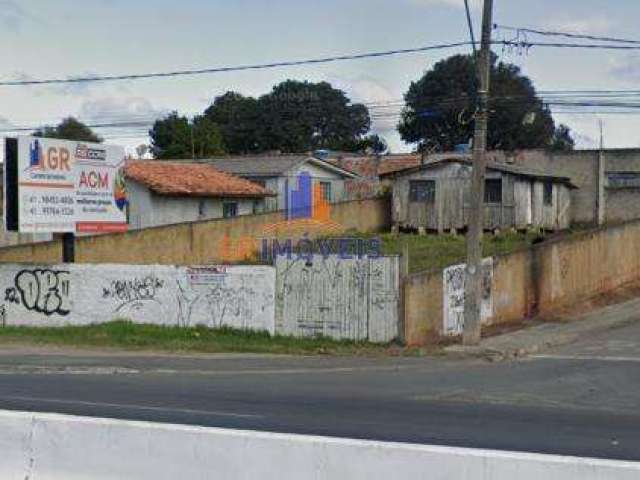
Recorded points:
551,33
203,71
592,46
470,24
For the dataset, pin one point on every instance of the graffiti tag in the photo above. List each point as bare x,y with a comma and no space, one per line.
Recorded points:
41,290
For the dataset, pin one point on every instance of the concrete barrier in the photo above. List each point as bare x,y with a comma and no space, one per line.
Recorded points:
39,446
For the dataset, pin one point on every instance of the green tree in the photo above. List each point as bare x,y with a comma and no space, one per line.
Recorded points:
69,129
176,137
562,139
440,108
237,117
374,144
294,117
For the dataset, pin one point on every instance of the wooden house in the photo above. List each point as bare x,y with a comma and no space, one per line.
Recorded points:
435,196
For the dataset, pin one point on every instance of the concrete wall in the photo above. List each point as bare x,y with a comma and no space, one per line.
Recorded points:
340,298
74,294
585,170
147,209
38,446
535,281
191,243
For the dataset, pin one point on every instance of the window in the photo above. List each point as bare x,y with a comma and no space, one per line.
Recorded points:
325,189
422,191
229,210
624,180
201,204
548,193
493,190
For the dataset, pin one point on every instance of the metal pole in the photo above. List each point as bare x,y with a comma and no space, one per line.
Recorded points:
473,284
68,247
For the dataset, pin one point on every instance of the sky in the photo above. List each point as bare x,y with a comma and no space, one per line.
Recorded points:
67,38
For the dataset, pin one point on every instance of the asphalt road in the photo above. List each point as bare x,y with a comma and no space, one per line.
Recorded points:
580,400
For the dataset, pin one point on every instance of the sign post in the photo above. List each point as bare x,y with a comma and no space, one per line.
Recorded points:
59,186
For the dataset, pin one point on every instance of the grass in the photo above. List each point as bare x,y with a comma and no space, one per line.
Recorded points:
126,335
430,252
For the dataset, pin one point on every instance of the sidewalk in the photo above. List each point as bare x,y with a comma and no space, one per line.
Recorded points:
540,337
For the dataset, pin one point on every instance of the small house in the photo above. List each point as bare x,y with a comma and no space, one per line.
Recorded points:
162,192
436,197
280,174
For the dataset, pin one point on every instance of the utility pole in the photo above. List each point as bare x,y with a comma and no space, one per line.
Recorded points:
473,283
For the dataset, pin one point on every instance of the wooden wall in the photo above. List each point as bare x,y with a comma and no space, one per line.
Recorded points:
522,202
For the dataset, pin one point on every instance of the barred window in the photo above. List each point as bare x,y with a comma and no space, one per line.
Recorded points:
422,191
493,190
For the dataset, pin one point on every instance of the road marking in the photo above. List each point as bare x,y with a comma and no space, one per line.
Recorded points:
587,357
60,401
79,370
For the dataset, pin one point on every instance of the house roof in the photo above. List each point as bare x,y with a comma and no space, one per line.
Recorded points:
372,166
271,165
191,180
500,167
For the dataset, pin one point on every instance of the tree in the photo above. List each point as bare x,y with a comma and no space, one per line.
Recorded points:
294,117
69,129
374,144
141,150
238,119
440,108
562,140
176,137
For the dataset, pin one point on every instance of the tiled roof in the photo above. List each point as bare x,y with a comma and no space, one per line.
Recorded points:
371,166
191,180
270,165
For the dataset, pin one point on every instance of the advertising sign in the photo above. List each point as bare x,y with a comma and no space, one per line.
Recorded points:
61,186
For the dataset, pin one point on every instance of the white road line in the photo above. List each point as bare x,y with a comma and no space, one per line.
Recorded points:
587,357
60,401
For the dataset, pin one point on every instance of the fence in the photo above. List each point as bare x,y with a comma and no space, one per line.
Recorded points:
535,281
193,242
340,298
353,299
74,294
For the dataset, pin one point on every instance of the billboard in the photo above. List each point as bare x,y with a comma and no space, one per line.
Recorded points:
58,186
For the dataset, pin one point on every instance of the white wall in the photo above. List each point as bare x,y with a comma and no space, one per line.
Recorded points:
60,447
75,294
147,209
355,299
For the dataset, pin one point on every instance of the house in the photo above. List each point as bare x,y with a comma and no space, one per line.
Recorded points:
163,192
608,180
280,174
435,196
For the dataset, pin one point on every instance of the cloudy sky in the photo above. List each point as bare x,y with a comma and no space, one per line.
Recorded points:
66,38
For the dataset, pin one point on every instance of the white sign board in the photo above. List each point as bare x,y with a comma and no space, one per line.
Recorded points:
65,186
454,282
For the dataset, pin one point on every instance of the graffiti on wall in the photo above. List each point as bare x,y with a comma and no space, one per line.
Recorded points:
43,291
454,290
133,291
353,299
240,296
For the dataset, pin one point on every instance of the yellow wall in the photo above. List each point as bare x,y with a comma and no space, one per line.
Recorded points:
535,281
192,243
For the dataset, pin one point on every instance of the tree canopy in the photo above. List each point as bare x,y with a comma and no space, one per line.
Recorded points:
69,129
440,108
178,137
294,117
